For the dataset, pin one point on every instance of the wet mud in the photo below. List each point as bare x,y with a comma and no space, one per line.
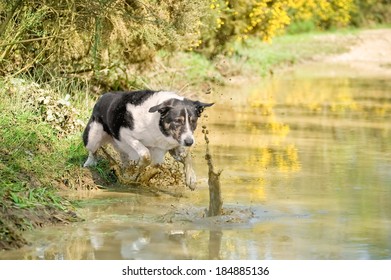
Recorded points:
167,178
199,216
215,197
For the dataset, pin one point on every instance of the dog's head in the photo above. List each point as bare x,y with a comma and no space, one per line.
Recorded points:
178,118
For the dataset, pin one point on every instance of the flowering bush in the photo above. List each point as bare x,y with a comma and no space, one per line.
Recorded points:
324,13
236,20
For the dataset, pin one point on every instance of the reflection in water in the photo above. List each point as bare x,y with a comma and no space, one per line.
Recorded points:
311,157
215,237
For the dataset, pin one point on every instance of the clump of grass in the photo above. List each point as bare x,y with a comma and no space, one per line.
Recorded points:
104,171
254,59
180,71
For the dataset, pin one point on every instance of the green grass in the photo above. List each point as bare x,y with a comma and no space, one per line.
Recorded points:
253,58
22,196
178,71
262,58
25,161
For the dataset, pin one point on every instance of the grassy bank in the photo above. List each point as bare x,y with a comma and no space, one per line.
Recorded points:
192,72
40,154
41,150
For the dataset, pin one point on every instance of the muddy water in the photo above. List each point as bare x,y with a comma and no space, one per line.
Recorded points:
306,165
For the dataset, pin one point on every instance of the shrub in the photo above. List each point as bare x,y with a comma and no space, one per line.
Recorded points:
323,13
82,36
371,12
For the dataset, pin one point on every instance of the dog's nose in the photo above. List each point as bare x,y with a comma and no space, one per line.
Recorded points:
189,142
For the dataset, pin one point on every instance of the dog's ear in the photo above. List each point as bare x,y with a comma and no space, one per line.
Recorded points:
200,106
162,108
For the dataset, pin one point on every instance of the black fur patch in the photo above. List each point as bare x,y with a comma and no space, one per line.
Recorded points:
110,110
86,131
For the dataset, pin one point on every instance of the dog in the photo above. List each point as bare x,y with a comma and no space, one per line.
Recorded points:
143,126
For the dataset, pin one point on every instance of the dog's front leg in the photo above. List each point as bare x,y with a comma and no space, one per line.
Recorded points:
132,149
189,172
157,156
129,145
182,155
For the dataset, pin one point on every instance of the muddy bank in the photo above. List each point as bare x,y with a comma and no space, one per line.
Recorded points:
13,222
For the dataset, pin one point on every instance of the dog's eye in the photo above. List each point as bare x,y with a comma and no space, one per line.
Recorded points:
178,121
193,120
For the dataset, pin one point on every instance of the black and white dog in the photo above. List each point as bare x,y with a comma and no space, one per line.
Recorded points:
142,126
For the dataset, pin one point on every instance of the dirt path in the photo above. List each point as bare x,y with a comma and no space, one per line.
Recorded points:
371,55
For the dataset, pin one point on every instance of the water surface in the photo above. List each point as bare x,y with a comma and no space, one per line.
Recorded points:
309,156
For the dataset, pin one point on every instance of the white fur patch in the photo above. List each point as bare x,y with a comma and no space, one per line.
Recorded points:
188,134
146,125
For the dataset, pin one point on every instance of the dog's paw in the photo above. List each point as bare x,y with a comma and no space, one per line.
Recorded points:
145,160
90,162
191,179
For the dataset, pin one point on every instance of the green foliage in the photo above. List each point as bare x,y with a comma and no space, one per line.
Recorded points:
195,67
371,12
48,105
33,162
23,197
324,14
310,15
239,20
105,172
302,26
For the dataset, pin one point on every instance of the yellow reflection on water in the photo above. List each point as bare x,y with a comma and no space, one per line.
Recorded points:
262,119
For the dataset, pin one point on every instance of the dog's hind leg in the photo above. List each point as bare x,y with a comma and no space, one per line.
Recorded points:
94,137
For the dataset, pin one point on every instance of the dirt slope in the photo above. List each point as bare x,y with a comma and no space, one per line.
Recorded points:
371,54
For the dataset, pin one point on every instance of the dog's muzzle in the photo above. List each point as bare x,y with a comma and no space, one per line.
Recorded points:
188,142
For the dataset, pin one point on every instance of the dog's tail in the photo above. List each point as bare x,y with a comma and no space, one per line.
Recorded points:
86,131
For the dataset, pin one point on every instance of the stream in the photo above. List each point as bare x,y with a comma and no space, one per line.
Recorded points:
306,160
